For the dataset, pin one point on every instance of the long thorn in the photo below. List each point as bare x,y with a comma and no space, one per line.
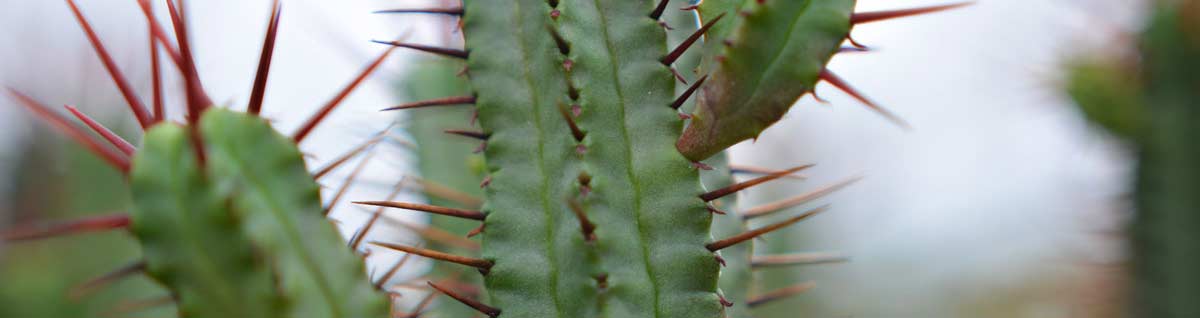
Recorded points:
130,306
157,32
264,62
447,11
658,10
90,286
104,132
675,54
447,101
456,53
462,260
719,193
752,170
868,17
197,100
114,158
751,234
387,276
467,133
780,294
325,110
767,209
688,93
441,191
342,159
797,259
460,213
135,105
434,234
375,215
337,196
836,81
485,309
83,225
155,77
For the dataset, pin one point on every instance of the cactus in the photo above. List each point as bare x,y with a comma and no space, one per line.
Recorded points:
1149,98
228,217
593,199
589,208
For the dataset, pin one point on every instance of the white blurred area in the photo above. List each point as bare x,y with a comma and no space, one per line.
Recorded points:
1000,197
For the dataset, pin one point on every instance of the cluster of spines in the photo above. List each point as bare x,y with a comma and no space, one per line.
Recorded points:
119,154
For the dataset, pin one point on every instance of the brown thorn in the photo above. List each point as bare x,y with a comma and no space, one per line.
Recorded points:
392,271
767,209
724,302
675,54
131,306
104,132
658,11
446,101
157,32
744,169
448,11
342,159
337,196
420,308
748,235
79,291
566,115
468,133
589,228
853,49
324,111
678,77
797,259
719,193
477,230
155,69
357,241
81,225
447,193
460,213
868,17
114,158
197,100
435,234
780,294
836,81
485,309
264,62
455,53
688,93
139,110
479,263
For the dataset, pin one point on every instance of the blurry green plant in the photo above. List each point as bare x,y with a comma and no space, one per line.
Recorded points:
1149,95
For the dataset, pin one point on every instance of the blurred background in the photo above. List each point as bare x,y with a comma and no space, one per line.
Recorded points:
1002,202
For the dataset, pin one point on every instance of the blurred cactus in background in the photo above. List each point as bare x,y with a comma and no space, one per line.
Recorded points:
1149,96
57,179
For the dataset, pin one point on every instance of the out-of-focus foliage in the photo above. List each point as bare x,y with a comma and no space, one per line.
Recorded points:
1154,102
56,179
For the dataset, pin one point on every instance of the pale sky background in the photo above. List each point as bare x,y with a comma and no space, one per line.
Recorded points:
1001,183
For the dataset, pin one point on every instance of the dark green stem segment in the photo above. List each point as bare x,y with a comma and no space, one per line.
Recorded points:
1156,107
648,258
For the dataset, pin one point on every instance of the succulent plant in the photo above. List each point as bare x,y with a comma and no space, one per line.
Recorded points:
593,201
1148,96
